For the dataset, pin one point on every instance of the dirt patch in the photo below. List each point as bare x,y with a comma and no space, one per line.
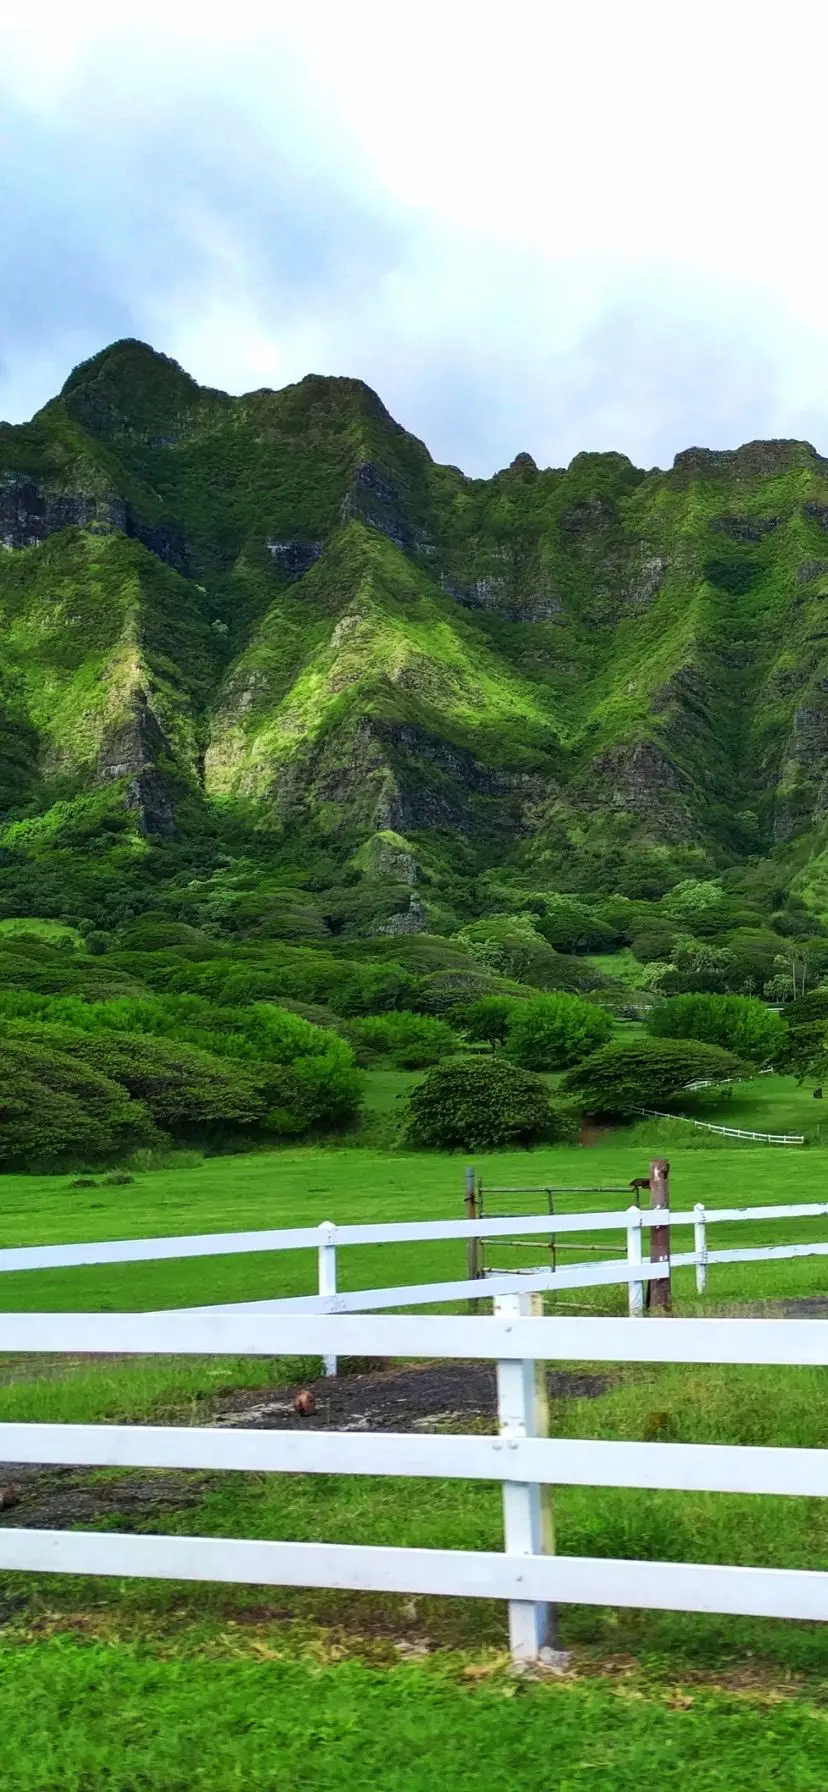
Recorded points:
453,1395
400,1400
48,1498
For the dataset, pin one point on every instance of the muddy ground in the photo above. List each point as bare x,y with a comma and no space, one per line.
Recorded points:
444,1395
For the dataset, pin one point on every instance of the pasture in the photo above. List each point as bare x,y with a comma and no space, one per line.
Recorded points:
311,1686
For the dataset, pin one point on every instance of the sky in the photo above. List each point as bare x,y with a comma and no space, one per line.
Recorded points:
540,226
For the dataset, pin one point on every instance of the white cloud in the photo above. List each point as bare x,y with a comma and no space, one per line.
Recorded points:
546,226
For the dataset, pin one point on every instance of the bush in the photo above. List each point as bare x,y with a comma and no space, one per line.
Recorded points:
488,1020
623,1078
512,947
184,1089
196,1067
479,1105
53,1108
555,1031
411,1041
571,926
739,1023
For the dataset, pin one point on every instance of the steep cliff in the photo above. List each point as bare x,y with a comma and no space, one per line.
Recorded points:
272,625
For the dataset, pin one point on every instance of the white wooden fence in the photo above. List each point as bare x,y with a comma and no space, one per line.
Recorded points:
727,1132
525,1573
327,1239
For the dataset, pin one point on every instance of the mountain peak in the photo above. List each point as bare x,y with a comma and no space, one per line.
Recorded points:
131,389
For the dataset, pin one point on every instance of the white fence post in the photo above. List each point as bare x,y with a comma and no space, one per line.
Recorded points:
700,1246
327,1274
522,1411
636,1289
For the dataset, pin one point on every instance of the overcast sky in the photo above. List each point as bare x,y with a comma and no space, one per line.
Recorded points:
542,226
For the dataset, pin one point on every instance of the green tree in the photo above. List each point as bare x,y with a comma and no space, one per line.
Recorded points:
54,1109
555,1031
487,1021
480,1105
622,1078
741,1024
411,1041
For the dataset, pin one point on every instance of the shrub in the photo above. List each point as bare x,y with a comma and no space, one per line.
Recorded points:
740,1023
512,947
488,1020
411,1041
555,1031
624,1077
258,1067
184,1089
571,926
654,944
53,1108
478,1106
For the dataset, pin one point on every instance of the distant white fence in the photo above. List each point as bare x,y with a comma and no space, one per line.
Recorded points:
727,1132
634,1270
526,1573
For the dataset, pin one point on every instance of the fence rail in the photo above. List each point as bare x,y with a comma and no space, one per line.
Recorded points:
727,1132
635,1270
526,1573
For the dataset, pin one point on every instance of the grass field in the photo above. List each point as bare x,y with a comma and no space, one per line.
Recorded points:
131,1685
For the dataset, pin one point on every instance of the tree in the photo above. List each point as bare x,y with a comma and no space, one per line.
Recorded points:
479,1105
487,1021
553,1032
623,1078
571,926
741,1024
411,1041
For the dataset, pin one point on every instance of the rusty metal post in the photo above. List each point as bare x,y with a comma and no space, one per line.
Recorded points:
660,1291
473,1246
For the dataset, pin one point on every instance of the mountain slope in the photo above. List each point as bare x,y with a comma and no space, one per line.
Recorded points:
273,626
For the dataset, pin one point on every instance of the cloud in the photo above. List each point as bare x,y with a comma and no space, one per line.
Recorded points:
574,228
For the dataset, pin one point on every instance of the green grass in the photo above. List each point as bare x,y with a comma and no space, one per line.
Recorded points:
152,1732
766,1104
54,933
88,1718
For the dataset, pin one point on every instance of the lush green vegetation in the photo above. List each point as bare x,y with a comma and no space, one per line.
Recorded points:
113,1679
237,1710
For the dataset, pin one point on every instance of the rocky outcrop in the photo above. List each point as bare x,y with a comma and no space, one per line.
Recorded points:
643,781
412,920
371,498
743,528
30,513
294,558
131,752
754,460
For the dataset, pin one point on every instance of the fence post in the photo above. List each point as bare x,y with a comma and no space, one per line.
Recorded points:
660,1292
700,1247
522,1411
636,1288
327,1275
473,1246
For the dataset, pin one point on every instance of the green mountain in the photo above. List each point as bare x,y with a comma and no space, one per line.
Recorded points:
267,644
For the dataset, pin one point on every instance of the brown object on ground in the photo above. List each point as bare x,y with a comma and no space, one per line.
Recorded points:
9,1496
305,1403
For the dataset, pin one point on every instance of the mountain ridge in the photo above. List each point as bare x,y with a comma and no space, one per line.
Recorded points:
273,626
